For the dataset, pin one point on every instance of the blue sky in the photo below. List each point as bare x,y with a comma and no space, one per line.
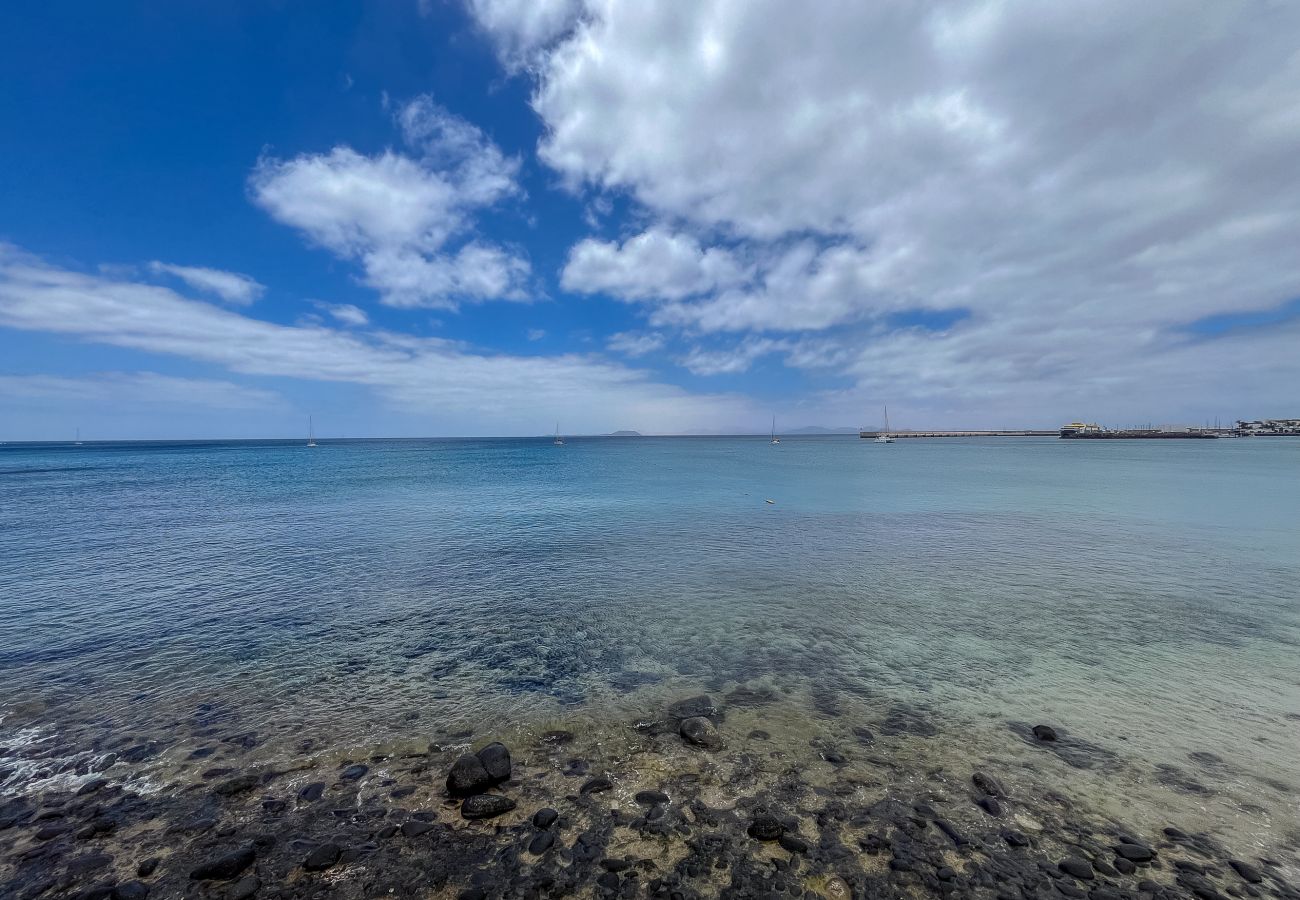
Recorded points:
435,218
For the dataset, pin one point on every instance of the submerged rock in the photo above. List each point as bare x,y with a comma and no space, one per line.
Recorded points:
766,827
545,817
988,785
699,731
1079,868
1135,852
224,867
650,798
354,772
1044,732
241,784
322,857
596,785
1246,871
485,806
695,707
312,792
131,890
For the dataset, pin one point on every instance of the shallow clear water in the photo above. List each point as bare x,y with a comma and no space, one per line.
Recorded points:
1145,596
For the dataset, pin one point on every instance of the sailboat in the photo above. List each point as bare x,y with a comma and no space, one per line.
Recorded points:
311,434
775,439
77,442
559,441
883,437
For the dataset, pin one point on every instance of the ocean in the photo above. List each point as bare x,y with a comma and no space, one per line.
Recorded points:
924,602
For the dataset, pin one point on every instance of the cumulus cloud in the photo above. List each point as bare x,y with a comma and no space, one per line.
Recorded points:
229,286
729,360
653,264
399,214
521,27
634,344
1083,178
346,313
491,391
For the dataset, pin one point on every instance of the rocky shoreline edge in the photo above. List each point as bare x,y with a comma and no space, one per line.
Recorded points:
702,814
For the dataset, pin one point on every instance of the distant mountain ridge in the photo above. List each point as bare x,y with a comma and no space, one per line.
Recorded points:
822,429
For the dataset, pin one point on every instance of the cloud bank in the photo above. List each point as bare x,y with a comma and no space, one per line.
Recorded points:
1075,184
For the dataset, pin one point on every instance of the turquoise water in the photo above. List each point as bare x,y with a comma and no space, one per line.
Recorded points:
1145,595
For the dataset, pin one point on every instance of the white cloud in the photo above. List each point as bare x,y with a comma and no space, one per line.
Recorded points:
346,313
521,27
536,334
729,360
653,264
485,392
635,344
134,389
397,213
229,286
1084,177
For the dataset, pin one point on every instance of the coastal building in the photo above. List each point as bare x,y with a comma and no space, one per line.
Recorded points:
1264,427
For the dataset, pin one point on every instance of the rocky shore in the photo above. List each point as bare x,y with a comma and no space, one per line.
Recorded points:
687,804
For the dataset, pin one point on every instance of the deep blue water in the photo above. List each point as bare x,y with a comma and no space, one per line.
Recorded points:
1146,591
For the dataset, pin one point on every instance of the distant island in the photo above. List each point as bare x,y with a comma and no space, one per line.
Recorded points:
625,434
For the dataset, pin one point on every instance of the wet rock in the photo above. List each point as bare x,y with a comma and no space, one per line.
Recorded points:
765,827
354,772
792,843
468,776
1077,867
92,786
1246,871
650,798
1015,838
485,806
244,888
1135,852
991,806
50,832
131,890
953,834
545,817
699,731
273,807
1176,834
146,868
415,827
90,862
596,785
988,785
241,784
1124,866
496,761
223,868
312,792
541,843
96,827
1044,732
323,857
1105,868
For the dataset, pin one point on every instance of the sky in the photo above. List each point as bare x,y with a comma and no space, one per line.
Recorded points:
488,217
